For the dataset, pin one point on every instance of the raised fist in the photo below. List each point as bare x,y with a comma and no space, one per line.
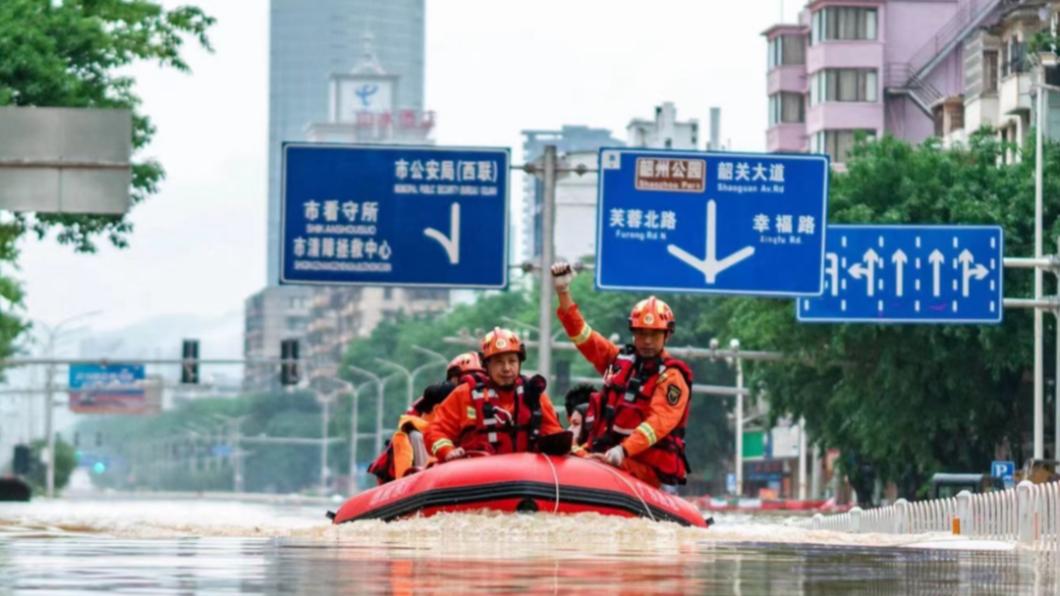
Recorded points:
562,275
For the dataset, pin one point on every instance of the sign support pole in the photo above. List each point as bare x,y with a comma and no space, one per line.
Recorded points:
1039,398
49,406
544,321
739,421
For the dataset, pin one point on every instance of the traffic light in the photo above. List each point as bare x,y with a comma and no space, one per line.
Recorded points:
21,463
289,366
189,368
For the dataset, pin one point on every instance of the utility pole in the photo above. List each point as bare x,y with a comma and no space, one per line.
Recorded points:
544,351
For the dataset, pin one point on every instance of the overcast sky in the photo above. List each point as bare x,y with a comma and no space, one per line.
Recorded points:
493,68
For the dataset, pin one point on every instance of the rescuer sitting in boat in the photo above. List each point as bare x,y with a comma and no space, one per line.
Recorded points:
639,417
500,411
577,405
406,452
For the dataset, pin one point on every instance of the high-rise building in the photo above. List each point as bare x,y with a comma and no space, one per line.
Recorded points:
311,40
910,69
664,131
365,102
880,66
578,193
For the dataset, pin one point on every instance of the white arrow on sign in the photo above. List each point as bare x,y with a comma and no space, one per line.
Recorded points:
832,270
978,272
871,260
710,266
450,243
936,259
899,259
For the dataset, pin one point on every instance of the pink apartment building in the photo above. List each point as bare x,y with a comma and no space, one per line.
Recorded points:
871,66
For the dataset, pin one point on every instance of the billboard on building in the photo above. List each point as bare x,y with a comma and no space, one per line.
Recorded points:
107,389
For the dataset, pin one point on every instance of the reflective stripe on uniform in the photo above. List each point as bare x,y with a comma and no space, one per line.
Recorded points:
583,335
649,432
439,444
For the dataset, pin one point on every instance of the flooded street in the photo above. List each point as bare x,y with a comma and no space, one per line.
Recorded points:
212,547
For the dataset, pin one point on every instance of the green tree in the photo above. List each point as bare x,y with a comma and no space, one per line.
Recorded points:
904,401
75,53
65,462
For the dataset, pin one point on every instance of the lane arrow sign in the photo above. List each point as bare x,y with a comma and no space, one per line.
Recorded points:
450,243
899,259
868,271
710,266
936,259
979,272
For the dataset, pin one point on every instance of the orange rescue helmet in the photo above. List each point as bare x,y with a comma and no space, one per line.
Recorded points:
501,341
652,313
463,364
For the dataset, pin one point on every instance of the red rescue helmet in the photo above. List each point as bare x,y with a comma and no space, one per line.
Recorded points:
652,313
501,341
465,363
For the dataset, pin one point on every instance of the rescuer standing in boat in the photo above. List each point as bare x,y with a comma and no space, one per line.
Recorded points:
500,411
639,417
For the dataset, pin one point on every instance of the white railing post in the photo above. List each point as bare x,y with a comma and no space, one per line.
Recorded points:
855,520
962,523
816,523
1025,513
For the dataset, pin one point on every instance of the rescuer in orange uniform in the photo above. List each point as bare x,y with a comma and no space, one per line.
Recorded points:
406,452
638,419
500,411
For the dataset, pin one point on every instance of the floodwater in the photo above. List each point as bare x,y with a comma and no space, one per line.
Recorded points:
217,547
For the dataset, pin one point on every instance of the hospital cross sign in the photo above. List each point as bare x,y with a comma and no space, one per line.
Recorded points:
725,223
394,215
910,274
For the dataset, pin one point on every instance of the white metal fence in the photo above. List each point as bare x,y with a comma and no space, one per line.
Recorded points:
1027,514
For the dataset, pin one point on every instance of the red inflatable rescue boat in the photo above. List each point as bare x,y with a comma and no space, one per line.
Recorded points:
519,482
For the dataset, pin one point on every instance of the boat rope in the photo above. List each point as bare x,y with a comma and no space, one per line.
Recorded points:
632,489
555,478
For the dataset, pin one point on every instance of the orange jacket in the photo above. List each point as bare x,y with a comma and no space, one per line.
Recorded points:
456,414
600,352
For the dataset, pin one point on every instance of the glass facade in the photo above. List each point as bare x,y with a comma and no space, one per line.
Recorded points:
308,42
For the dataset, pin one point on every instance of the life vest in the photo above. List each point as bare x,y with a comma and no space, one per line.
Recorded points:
625,402
396,459
496,430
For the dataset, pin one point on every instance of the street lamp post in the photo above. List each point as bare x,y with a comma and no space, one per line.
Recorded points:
404,371
379,402
441,359
737,362
54,332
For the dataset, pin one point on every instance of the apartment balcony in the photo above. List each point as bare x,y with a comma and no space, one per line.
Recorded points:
1014,94
845,115
787,78
786,138
844,54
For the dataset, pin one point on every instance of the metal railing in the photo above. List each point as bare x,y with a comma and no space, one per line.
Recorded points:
1028,515
949,34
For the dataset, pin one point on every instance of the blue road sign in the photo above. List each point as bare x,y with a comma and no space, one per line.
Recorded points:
725,223
107,388
394,215
1005,470
910,274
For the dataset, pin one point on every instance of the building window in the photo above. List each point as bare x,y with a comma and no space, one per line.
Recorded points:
787,50
843,23
1013,57
990,71
786,108
838,143
843,84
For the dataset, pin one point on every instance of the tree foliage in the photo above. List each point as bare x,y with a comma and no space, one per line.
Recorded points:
75,53
904,401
